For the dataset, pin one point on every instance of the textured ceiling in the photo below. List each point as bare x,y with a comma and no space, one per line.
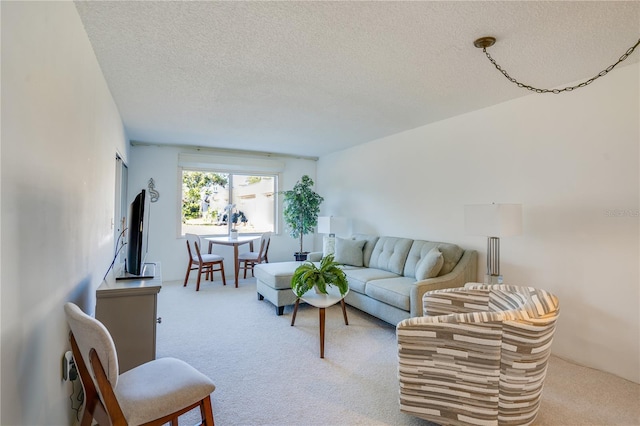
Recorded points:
309,78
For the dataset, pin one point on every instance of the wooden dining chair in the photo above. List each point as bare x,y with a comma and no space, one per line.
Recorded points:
266,249
205,263
249,259
151,394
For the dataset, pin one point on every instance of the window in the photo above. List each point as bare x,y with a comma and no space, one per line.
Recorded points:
212,199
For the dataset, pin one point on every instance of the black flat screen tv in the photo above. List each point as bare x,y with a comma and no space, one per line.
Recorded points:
137,239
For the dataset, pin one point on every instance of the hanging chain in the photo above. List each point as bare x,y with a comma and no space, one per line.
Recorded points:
566,89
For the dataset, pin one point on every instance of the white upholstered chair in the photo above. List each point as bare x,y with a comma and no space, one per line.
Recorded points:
478,356
205,263
249,259
153,393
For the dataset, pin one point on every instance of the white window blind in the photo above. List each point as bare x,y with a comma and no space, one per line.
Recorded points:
229,163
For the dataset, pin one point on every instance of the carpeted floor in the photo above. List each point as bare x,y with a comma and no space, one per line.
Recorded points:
269,373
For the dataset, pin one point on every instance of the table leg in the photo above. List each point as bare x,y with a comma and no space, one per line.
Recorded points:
344,312
321,332
295,311
237,262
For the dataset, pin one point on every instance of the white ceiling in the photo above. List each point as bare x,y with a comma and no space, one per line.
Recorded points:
309,78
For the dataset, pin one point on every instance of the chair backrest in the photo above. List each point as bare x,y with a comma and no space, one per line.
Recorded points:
90,333
264,245
193,247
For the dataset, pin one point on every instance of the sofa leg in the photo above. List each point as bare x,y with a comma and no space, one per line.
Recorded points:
279,310
260,297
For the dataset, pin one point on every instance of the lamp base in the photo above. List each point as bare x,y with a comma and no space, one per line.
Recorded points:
328,245
493,279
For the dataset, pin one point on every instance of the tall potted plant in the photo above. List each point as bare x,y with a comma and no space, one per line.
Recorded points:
301,209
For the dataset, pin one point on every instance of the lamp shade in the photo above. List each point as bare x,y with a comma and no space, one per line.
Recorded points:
493,220
330,225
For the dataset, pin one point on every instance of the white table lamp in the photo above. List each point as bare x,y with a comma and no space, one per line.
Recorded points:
493,221
330,225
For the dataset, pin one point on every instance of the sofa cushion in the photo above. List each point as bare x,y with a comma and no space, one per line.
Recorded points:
390,254
358,277
451,254
392,291
349,251
429,265
370,243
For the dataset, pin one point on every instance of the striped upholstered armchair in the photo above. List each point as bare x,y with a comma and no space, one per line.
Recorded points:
478,356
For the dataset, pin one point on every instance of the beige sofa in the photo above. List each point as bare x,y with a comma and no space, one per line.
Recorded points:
387,275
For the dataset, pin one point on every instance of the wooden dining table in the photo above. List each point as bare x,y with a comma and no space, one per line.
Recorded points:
235,242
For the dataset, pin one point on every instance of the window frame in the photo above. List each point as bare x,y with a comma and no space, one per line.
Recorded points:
242,171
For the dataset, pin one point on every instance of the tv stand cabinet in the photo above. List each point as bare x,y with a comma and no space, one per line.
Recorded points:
128,308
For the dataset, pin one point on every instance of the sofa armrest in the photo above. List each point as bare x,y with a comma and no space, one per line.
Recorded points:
314,256
465,271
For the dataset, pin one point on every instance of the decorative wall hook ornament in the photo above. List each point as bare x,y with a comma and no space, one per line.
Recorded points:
152,191
484,42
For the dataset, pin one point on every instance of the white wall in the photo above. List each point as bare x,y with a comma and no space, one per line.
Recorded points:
165,244
570,159
60,133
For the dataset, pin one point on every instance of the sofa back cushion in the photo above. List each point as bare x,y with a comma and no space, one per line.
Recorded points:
390,254
451,254
349,251
370,243
430,265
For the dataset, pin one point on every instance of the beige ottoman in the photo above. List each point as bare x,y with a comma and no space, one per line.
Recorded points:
273,282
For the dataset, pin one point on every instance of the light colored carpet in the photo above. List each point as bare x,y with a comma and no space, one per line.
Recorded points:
269,373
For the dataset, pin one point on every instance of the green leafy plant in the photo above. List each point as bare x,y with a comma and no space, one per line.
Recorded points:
308,275
193,185
301,208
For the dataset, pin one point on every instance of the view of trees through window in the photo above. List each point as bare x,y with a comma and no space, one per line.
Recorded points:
211,199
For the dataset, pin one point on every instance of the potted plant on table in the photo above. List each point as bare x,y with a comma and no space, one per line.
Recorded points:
308,276
301,209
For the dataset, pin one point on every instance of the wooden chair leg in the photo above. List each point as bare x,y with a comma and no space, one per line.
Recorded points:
249,265
212,271
186,278
224,279
199,275
209,275
206,412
